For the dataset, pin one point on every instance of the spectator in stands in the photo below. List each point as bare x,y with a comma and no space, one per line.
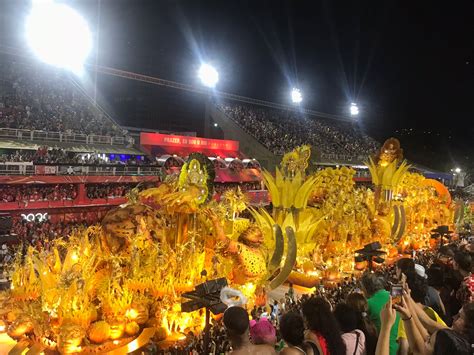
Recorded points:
292,331
281,131
353,337
323,326
22,193
404,266
47,155
262,332
236,321
463,263
374,288
433,299
358,302
42,98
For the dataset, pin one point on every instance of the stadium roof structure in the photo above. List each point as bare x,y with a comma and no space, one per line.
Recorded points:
432,174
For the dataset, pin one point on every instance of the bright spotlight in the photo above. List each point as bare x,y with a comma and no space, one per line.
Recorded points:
208,75
58,35
354,109
458,170
296,96
216,125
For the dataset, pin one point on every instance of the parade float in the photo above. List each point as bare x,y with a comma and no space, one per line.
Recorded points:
116,286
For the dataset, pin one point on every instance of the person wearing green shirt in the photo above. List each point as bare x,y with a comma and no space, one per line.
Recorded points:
374,289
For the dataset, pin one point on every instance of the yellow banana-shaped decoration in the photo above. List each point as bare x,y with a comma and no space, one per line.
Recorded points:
272,187
303,193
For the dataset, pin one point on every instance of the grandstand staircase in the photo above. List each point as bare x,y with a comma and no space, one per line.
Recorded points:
249,146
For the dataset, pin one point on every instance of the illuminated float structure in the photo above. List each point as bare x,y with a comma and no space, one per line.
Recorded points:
116,285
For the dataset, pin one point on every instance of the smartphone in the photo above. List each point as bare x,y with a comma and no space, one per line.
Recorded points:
396,291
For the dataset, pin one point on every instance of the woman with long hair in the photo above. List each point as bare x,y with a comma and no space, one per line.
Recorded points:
353,337
323,327
292,331
358,302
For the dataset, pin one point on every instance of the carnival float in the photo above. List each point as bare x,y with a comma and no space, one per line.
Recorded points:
115,286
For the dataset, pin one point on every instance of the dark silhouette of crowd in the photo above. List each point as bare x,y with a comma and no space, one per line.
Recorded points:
38,97
281,131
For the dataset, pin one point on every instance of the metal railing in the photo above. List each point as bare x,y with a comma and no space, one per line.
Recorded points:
17,168
97,170
35,135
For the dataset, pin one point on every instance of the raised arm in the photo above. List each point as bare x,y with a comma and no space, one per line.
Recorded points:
415,338
387,319
228,245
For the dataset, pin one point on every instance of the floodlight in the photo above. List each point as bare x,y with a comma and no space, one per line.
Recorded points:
216,125
458,170
58,35
354,109
208,75
296,96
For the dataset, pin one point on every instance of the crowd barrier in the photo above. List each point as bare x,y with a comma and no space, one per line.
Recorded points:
27,168
33,135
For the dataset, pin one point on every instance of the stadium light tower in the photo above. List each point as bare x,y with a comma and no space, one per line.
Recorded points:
354,109
58,35
296,96
208,75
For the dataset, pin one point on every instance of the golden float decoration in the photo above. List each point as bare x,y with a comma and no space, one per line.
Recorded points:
113,286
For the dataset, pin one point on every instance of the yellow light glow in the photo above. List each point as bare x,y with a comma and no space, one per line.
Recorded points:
74,256
131,314
2,328
115,342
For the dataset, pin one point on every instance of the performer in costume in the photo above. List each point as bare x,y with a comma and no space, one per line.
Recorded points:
248,251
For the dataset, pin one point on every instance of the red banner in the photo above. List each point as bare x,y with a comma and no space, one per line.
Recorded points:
196,143
46,170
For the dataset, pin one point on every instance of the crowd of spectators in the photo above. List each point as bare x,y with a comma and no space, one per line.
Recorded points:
35,193
95,191
62,192
281,131
433,315
40,233
37,97
54,155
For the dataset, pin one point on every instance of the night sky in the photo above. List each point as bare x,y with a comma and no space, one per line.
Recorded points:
409,65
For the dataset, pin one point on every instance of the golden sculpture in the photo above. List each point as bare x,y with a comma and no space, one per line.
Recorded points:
117,284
